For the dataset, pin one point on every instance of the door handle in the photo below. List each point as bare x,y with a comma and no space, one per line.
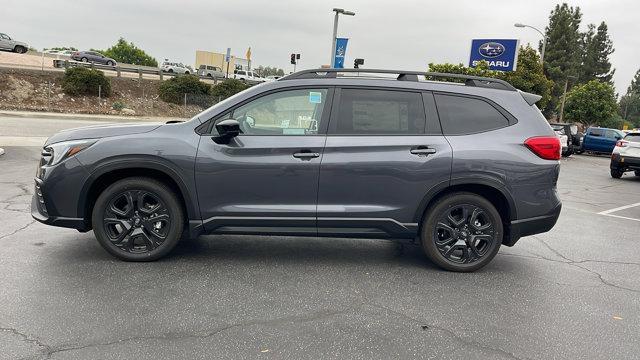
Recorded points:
305,154
423,150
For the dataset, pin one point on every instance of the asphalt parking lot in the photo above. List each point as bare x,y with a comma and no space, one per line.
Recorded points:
573,292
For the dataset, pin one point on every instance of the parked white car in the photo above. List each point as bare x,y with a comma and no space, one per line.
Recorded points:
7,43
175,68
246,76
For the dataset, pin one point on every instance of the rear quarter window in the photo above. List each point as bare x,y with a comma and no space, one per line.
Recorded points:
461,115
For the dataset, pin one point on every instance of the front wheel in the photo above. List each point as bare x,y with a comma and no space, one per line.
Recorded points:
616,174
110,63
138,219
637,172
462,232
20,49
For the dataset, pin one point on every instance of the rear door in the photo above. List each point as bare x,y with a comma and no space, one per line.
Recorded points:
383,153
266,179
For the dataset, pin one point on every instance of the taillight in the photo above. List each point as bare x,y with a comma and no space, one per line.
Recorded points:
622,143
546,147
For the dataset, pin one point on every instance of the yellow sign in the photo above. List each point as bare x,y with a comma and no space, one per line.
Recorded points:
625,127
248,54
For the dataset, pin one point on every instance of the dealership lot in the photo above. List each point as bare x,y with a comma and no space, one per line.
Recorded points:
570,293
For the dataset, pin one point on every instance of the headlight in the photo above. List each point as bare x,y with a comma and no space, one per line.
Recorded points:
66,149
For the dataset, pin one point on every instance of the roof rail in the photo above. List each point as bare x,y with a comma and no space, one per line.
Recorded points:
403,76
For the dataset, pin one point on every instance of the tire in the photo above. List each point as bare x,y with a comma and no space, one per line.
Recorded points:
616,174
20,49
637,172
84,59
170,70
455,254
110,63
123,226
186,73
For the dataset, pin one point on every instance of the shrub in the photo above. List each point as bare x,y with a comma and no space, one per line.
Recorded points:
85,81
228,88
118,105
174,89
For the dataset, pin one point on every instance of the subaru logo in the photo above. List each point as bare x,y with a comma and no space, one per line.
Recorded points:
491,49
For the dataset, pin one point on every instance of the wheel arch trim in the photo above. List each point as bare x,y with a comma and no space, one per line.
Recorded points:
139,163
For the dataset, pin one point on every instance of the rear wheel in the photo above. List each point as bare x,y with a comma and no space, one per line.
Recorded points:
138,219
110,63
637,172
616,174
20,49
462,232
84,59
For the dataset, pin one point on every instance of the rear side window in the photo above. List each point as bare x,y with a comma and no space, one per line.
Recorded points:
635,137
461,115
596,132
379,112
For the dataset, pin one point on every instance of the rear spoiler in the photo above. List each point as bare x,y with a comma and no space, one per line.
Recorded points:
529,97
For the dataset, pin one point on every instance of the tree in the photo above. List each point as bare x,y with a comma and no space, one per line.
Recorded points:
629,106
269,71
127,53
597,46
528,76
563,54
592,103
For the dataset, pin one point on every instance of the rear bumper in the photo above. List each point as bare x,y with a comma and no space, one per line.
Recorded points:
532,226
620,162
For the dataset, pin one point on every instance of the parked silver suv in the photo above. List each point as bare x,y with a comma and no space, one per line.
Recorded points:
459,168
7,43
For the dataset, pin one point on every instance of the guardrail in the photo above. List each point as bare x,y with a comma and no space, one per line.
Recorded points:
141,70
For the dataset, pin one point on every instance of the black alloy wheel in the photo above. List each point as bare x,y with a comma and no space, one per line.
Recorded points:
138,219
462,232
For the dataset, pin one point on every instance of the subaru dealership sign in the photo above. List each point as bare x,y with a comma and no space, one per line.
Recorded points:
501,54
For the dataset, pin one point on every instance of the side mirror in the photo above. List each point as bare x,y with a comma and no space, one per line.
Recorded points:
227,130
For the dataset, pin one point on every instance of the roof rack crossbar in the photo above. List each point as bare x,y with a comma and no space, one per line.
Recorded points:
404,76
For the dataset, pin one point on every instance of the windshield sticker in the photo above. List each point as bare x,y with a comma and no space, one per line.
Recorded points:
315,97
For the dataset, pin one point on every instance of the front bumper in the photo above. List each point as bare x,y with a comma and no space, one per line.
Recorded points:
39,213
532,226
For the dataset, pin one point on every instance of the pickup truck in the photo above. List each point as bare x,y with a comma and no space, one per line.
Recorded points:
601,140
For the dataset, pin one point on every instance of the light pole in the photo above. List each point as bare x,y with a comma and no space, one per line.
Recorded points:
335,32
544,39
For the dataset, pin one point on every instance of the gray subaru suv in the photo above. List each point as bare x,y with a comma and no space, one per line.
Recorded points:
459,165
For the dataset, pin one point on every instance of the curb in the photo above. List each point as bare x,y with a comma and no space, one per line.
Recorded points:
89,117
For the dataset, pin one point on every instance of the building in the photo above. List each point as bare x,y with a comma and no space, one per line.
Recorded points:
217,59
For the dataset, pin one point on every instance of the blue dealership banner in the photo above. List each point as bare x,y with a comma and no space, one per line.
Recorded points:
501,54
341,50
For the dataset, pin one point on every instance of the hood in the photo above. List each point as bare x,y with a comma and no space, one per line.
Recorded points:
102,131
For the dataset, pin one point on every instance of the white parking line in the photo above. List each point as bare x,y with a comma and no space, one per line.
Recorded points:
611,211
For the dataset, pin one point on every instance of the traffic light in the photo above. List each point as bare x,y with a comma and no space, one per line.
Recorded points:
293,59
357,63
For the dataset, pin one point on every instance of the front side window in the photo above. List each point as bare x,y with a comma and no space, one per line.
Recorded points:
614,134
291,112
382,112
461,115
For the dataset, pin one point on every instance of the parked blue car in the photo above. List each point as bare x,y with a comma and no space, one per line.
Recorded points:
601,140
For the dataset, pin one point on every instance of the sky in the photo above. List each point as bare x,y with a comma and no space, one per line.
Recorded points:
391,34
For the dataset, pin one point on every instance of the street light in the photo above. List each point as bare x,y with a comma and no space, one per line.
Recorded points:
544,38
335,32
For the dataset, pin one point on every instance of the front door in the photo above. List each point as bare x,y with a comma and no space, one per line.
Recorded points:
266,179
382,156
5,42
